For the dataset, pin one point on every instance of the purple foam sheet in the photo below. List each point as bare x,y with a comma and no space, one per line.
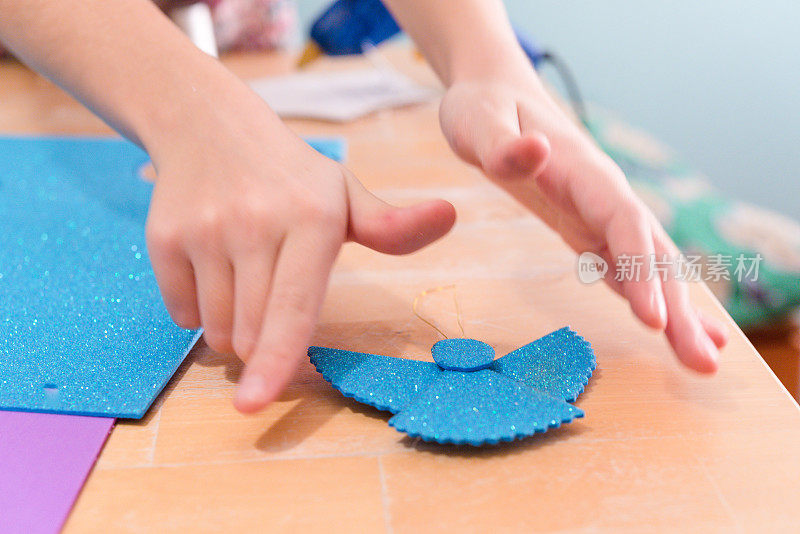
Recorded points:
44,461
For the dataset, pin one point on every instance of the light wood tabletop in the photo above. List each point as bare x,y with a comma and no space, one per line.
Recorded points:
660,448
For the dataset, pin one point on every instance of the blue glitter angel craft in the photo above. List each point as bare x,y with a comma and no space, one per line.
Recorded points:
466,396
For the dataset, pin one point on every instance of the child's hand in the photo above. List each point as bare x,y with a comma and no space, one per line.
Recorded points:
511,129
244,226
246,219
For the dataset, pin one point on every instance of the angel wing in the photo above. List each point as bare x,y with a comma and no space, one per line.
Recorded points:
384,382
558,364
481,407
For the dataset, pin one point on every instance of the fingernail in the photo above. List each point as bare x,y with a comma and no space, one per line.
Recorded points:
704,358
710,349
252,390
660,307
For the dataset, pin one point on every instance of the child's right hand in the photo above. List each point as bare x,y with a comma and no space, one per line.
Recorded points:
245,223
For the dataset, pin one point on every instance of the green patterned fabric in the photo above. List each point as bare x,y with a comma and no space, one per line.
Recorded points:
702,221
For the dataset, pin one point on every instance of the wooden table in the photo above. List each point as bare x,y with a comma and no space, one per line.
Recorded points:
659,449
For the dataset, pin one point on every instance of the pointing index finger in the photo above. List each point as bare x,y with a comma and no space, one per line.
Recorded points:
298,289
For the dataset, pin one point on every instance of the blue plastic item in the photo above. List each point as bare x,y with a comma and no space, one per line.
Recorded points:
347,25
530,47
83,329
466,396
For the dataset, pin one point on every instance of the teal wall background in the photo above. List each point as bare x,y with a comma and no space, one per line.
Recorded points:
718,80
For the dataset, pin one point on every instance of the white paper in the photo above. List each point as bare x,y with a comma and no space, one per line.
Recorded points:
340,95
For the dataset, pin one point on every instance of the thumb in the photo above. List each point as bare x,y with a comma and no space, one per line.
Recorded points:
489,136
392,230
515,156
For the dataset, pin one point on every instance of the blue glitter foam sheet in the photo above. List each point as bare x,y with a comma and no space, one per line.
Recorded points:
466,396
83,329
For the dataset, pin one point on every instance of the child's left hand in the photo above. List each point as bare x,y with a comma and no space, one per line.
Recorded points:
508,126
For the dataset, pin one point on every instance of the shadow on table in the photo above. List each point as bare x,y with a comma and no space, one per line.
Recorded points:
286,434
318,402
168,389
510,448
205,356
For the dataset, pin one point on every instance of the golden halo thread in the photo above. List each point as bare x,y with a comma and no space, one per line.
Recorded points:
427,292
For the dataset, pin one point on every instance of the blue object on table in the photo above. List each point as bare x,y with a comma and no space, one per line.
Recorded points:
334,148
83,329
348,25
466,396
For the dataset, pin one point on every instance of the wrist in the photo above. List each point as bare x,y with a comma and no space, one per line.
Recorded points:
210,110
505,63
